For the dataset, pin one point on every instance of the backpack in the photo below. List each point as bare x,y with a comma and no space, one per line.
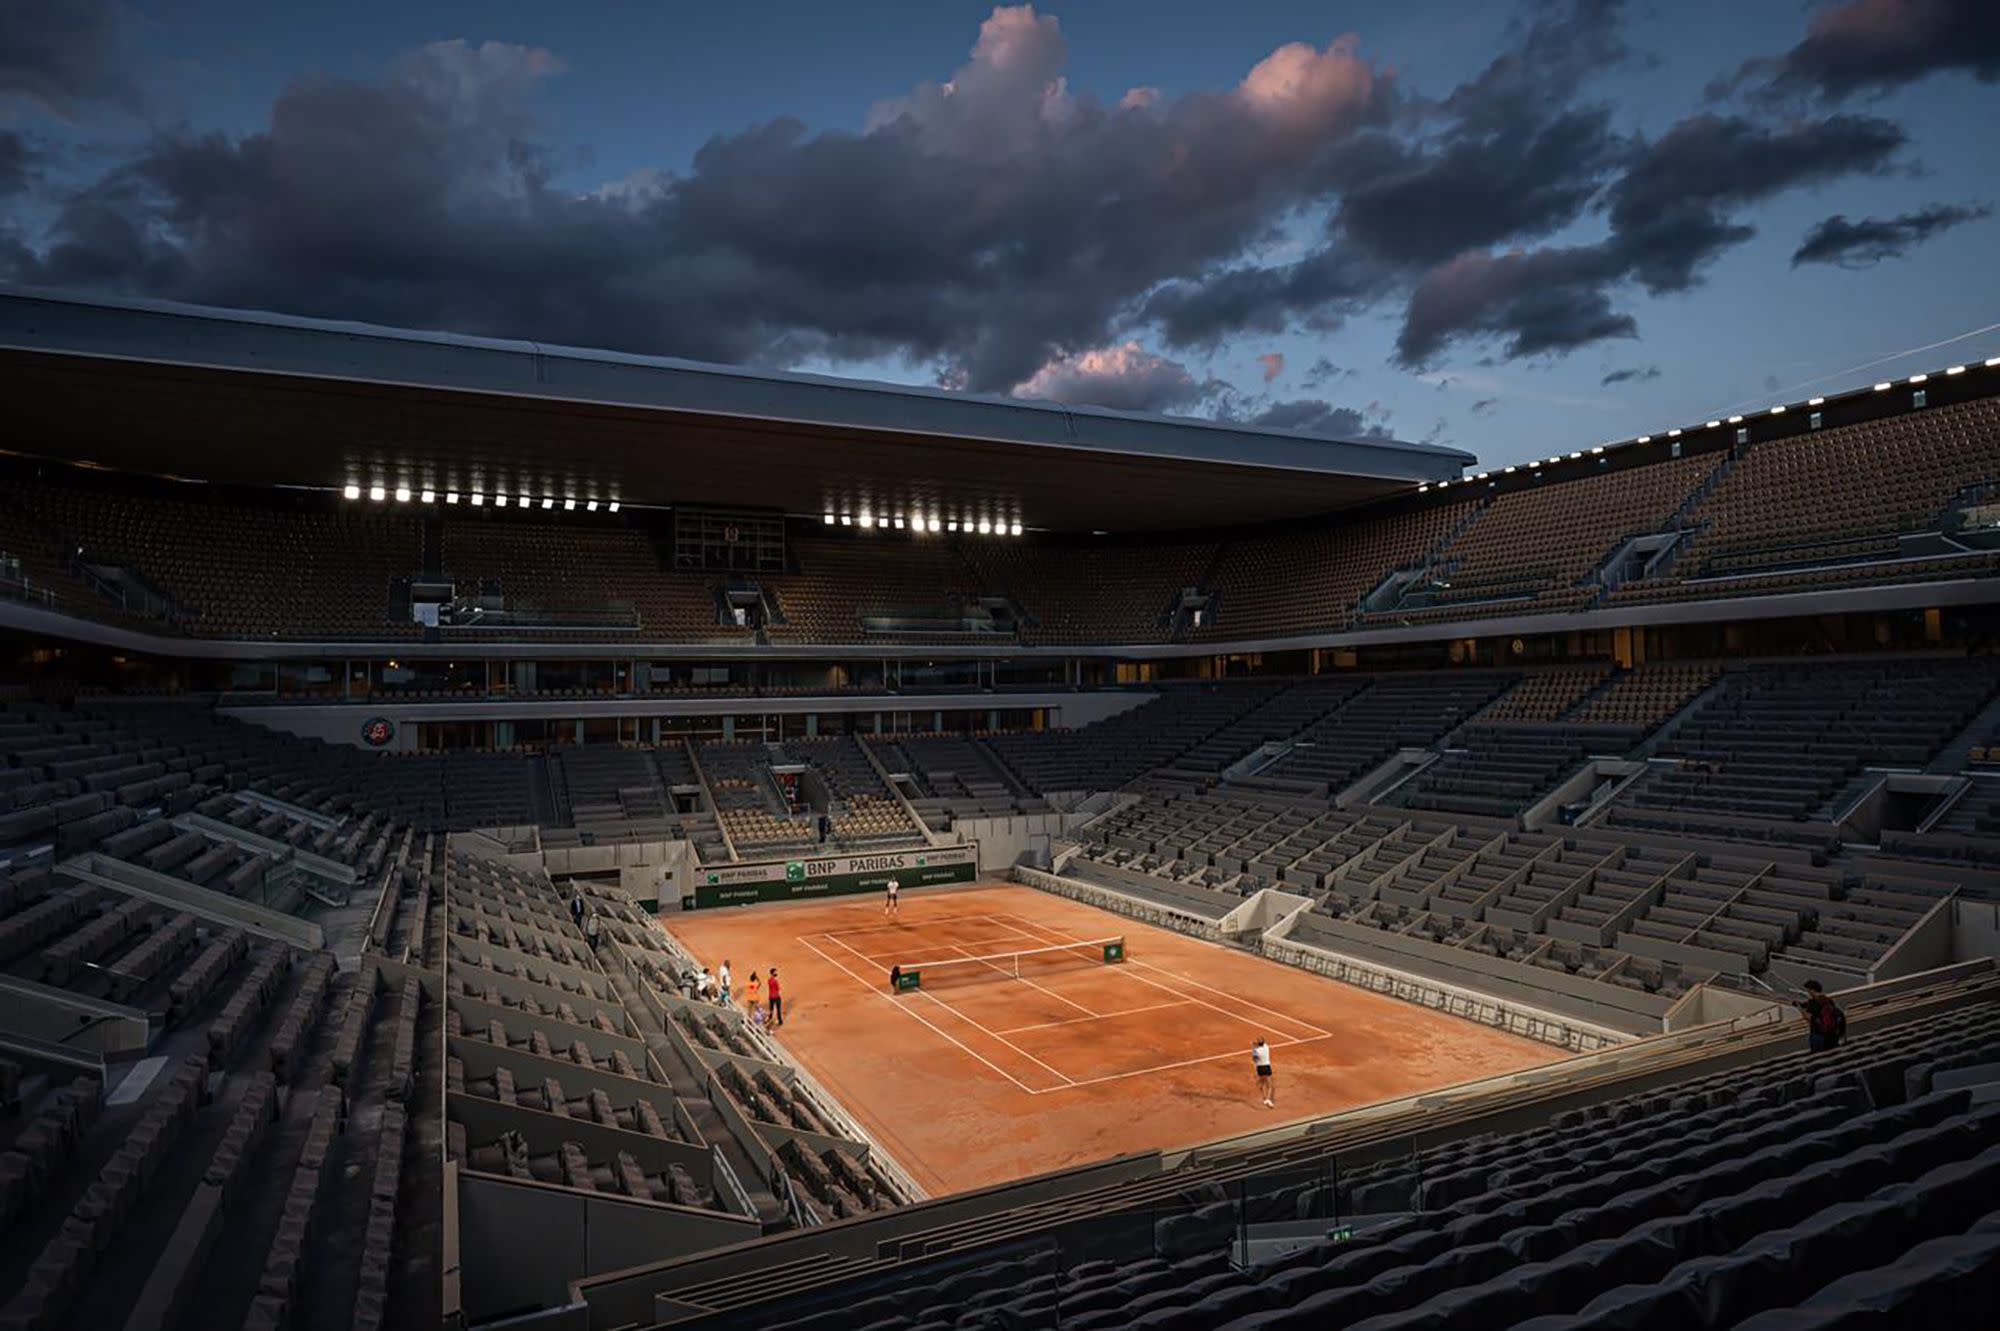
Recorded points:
1829,1020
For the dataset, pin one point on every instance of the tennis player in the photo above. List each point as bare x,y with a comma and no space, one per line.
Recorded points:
1260,1058
889,901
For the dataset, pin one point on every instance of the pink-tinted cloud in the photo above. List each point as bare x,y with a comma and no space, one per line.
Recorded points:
1273,363
1126,377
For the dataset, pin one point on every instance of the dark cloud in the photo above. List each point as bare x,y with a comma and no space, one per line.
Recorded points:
63,55
1514,158
996,229
1327,286
1668,210
1485,406
1505,155
1311,415
1872,239
1671,213
990,224
1875,45
1630,376
17,162
1547,300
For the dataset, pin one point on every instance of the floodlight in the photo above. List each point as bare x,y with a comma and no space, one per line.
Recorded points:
402,494
429,496
377,493
351,492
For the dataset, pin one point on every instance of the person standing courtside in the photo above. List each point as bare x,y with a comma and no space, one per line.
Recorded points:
889,900
777,1000
1267,1085
722,979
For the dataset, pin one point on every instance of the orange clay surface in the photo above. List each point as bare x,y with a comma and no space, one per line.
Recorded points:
981,1078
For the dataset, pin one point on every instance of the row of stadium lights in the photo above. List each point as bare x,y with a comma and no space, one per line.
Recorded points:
869,522
1915,381
403,495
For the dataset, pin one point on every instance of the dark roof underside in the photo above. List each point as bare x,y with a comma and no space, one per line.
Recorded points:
256,399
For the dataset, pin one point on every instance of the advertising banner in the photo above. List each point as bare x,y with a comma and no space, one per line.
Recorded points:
829,876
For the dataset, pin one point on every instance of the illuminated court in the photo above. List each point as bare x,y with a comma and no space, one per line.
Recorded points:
981,1075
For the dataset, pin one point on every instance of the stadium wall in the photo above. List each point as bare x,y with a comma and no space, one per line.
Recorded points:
343,723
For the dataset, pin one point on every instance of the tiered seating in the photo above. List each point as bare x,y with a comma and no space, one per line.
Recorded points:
215,1182
1396,711
1544,695
1780,744
1836,495
1112,752
841,582
1821,509
599,567
1127,597
1282,717
1532,548
955,777
1706,1201
247,569
863,809
1501,769
1644,698
1309,581
614,793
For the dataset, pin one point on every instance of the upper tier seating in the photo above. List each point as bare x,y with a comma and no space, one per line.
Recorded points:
1127,596
1309,581
245,570
596,567
1818,510
1835,495
1531,549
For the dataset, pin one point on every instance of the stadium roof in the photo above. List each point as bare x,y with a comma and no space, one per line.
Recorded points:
247,398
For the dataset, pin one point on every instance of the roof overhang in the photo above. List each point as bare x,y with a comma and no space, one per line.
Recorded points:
234,397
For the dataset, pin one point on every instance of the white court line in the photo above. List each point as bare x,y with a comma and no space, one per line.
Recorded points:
874,928
905,1007
1095,1016
897,958
1186,1063
1287,1019
1032,985
1054,1072
1070,1083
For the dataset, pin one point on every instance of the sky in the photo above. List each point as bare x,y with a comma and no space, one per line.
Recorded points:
1515,230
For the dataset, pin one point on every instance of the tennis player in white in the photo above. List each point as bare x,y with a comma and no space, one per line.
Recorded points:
889,901
1267,1085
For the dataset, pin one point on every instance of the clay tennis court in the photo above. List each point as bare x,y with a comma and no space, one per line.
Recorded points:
981,1076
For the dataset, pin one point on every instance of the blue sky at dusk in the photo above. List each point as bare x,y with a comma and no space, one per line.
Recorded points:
1515,230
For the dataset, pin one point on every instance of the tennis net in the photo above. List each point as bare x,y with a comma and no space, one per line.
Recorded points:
1023,964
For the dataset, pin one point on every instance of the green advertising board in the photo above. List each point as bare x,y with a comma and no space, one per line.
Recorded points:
829,876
